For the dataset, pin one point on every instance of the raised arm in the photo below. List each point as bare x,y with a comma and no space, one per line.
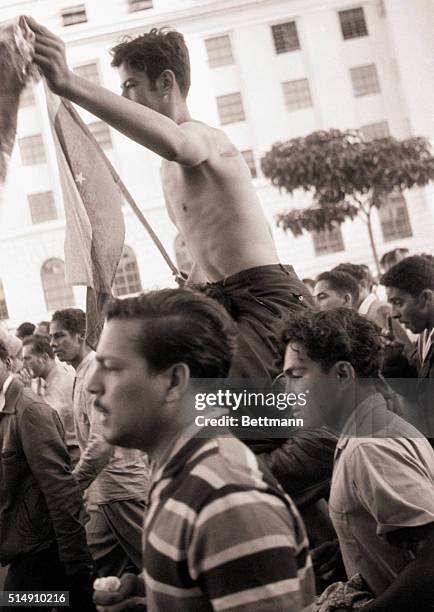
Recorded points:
147,127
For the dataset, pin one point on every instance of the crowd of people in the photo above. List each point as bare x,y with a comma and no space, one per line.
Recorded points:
104,471
106,440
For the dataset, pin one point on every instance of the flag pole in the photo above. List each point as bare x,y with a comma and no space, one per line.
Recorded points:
128,197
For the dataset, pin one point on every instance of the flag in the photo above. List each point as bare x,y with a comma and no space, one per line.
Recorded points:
95,228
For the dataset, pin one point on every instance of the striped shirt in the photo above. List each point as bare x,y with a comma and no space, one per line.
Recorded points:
221,535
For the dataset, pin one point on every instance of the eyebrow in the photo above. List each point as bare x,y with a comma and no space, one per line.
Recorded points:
107,357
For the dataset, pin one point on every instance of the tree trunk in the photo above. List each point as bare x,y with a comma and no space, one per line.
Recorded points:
372,241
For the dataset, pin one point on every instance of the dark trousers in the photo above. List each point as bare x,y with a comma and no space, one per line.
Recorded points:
43,571
259,299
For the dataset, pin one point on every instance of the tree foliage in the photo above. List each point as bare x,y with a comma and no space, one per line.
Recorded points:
345,175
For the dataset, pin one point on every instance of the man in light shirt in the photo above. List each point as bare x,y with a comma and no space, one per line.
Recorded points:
55,382
115,479
382,493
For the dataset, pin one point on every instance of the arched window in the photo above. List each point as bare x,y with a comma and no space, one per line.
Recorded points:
183,258
127,279
3,305
57,293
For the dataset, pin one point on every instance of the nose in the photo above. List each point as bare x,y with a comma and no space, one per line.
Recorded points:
94,384
396,314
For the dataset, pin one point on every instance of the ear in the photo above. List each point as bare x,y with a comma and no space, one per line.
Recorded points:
166,81
344,371
179,378
426,297
348,299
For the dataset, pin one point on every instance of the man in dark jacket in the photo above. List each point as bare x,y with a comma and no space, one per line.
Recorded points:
42,538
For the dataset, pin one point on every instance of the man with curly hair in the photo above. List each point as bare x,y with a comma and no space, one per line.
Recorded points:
410,291
382,492
206,182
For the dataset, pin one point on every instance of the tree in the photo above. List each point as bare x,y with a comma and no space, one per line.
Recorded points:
346,176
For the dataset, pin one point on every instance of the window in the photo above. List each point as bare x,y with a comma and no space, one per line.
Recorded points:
101,133
42,207
394,219
127,279
375,130
27,97
328,241
3,305
57,293
219,51
296,94
32,150
365,80
230,108
88,72
74,14
139,5
183,258
353,23
285,37
250,161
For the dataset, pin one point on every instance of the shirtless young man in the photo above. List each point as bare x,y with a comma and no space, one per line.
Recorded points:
207,185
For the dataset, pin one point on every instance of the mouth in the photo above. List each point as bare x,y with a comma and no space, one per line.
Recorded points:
101,409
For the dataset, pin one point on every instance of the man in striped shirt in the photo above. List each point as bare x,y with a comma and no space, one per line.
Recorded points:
219,533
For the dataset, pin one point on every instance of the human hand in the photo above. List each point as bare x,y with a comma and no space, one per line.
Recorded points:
50,57
128,596
326,557
24,376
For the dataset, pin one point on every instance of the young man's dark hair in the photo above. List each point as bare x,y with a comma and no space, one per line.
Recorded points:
341,282
412,275
180,325
4,354
72,320
357,271
40,345
153,52
24,330
341,334
392,257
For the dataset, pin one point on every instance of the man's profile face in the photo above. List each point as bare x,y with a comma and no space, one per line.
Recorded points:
302,373
409,310
129,397
327,298
66,345
33,362
137,87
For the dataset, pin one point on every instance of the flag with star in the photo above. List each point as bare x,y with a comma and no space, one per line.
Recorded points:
95,227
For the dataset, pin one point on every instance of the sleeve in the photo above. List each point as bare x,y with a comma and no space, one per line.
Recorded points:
48,459
97,453
245,554
393,484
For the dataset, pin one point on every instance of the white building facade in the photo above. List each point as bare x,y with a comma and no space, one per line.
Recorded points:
264,71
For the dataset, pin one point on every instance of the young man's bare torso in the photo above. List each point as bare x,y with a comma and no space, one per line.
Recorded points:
216,209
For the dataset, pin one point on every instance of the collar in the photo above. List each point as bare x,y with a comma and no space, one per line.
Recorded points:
184,446
3,391
426,339
362,421
84,364
367,303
